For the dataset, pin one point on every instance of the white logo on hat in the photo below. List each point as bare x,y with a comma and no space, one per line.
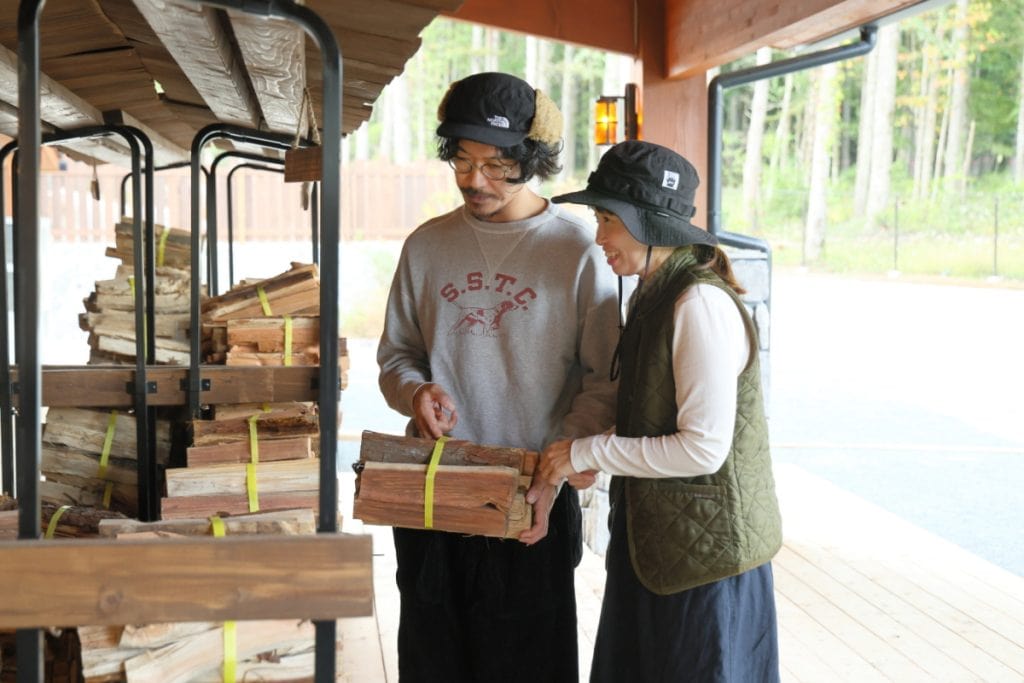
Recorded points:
498,121
671,180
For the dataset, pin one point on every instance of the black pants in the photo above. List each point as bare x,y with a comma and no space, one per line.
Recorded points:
484,610
721,632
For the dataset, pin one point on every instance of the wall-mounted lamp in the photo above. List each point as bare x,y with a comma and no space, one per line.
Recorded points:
606,117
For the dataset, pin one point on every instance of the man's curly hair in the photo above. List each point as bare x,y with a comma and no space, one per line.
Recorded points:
534,158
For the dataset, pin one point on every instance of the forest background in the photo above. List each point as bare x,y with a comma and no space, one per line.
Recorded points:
908,160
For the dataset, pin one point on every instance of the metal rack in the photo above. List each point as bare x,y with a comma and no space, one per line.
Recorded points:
27,249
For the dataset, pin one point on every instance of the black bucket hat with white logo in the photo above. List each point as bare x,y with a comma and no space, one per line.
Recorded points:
651,189
498,109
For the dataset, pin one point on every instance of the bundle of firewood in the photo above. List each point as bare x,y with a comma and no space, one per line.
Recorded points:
269,650
273,321
246,456
110,309
476,489
90,458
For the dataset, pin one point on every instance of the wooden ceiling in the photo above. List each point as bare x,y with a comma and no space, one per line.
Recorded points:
171,67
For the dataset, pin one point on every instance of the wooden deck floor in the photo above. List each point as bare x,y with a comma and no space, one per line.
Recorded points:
862,596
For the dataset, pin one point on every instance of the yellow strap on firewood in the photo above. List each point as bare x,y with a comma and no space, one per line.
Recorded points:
428,491
287,341
250,469
108,441
230,631
162,246
254,440
51,528
264,301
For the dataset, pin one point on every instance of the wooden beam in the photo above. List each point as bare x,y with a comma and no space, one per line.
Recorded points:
58,106
109,386
275,56
607,25
325,576
194,36
165,151
702,34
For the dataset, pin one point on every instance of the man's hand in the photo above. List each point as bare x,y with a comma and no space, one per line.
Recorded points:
541,496
433,411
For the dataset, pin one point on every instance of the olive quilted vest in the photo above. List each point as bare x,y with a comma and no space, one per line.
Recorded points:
687,531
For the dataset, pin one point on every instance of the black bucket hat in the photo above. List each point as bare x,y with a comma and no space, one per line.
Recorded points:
651,189
498,109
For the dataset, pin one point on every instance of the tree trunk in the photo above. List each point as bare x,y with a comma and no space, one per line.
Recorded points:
781,149
882,124
568,107
755,140
1018,156
941,145
924,144
533,67
957,101
492,41
865,134
824,119
476,44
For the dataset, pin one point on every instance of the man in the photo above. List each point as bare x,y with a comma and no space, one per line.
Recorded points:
499,330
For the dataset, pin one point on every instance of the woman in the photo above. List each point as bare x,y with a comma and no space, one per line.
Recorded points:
694,519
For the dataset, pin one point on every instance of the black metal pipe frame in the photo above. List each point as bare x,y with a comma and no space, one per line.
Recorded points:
28,641
145,345
165,167
314,208
6,391
330,212
268,140
231,212
716,90
211,206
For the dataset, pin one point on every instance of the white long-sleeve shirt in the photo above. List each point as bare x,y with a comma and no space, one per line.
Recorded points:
709,351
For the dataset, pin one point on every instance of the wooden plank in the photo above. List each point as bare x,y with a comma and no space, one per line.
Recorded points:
282,522
239,451
164,151
271,477
193,34
274,52
58,106
111,386
190,507
872,632
200,579
702,34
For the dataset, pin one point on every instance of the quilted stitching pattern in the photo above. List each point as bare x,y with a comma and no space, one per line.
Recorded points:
686,532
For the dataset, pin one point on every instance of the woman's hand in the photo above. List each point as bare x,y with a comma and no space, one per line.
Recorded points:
556,463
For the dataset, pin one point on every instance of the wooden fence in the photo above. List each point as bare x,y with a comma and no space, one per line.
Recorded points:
379,201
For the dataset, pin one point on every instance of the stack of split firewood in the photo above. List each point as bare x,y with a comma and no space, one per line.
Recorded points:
90,458
110,309
275,321
248,457
269,650
473,489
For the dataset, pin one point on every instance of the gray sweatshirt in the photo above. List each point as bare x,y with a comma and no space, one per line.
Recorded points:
516,321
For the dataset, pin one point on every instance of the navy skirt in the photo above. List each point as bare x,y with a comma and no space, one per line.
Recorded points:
720,632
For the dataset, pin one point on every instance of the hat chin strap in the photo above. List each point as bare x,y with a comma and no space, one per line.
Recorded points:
613,371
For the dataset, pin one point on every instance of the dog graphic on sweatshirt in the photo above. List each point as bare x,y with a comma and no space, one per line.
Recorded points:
481,321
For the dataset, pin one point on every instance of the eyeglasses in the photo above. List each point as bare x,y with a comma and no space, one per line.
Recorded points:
493,170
